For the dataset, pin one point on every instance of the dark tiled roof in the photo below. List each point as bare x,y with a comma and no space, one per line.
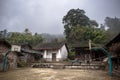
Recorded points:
49,46
5,42
85,44
80,44
26,44
114,40
23,44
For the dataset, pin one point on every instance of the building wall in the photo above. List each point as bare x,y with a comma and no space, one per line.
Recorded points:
3,49
48,54
27,58
64,52
61,54
1,61
115,56
11,59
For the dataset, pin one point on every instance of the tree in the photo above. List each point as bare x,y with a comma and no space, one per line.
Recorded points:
113,24
98,36
3,34
27,32
85,33
93,23
37,38
75,17
78,27
102,26
18,38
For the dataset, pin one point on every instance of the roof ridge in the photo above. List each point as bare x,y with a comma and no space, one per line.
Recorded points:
50,45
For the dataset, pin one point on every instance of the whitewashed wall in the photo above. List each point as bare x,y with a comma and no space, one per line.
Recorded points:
48,54
60,54
64,52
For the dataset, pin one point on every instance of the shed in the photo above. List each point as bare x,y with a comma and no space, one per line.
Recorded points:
83,52
11,58
29,55
113,46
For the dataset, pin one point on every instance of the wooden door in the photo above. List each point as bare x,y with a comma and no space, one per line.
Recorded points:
53,56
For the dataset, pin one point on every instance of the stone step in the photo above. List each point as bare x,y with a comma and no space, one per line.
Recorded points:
61,66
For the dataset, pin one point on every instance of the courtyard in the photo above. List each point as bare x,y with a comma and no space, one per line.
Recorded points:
55,74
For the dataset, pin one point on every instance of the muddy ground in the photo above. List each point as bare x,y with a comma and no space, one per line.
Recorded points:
55,74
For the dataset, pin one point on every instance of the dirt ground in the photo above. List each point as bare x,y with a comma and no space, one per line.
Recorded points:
55,74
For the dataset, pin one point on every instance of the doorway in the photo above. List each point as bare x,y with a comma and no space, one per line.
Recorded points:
53,56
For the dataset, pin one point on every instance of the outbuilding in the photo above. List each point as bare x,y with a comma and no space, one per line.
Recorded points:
11,59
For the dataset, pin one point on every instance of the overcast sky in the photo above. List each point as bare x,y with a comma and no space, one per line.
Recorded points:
45,16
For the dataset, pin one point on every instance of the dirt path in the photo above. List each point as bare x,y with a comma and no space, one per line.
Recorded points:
54,74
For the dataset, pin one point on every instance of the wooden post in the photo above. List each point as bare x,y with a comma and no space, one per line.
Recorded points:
90,50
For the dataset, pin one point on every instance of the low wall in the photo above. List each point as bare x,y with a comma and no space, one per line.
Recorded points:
51,60
68,66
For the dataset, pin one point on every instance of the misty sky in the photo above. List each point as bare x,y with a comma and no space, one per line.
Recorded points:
45,16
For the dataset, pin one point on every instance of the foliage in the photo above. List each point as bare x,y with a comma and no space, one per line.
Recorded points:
98,35
78,27
75,17
71,54
53,38
3,34
93,23
17,38
85,33
37,39
113,24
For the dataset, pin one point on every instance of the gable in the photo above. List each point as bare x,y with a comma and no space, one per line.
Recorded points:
66,47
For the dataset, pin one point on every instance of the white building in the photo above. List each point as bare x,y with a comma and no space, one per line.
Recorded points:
53,51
